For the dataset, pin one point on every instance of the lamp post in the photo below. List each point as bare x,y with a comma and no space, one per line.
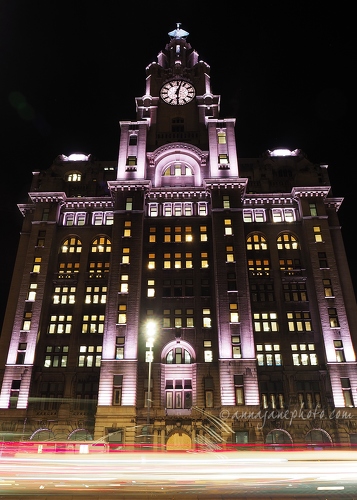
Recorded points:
150,332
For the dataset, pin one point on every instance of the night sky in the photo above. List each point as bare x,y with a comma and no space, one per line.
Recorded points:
70,71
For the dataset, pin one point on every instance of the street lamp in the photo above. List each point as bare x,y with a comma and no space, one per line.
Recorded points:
150,332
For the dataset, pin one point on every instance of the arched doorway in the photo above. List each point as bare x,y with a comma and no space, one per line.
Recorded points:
179,441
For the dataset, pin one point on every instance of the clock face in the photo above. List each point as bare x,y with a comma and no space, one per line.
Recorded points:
177,92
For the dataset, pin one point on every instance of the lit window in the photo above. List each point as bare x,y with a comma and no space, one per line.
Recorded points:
226,202
228,230
153,209
256,242
313,209
304,354
287,241
236,347
122,314
203,233
93,323
328,288
31,295
265,322
188,233
129,204
127,228
151,288
299,321
119,347
125,258
202,209
97,218
36,265
178,236
167,260
221,137
340,355
333,317
229,254
233,313
152,234
204,259
206,313
317,234
151,263
167,234
268,355
124,285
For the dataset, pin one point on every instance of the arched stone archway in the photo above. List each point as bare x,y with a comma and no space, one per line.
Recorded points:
179,441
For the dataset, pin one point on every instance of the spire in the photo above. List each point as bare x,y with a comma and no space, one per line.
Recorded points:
178,32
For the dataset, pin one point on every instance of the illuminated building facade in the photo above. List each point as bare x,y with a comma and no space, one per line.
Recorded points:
237,265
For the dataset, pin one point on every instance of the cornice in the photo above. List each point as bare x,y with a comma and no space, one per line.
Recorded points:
48,196
310,191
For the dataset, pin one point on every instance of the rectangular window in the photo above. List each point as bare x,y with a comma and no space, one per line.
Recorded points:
328,288
129,204
340,355
295,292
299,321
236,347
127,228
233,313
322,260
269,355
266,322
151,288
308,393
239,389
333,317
313,209
226,201
204,260
119,347
203,233
60,324
347,392
117,389
122,314
228,230
221,138
152,235
93,323
36,265
304,354
207,350
317,234
151,263
206,316
230,253
97,218
124,283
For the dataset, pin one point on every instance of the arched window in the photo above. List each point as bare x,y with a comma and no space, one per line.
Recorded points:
69,256
73,176
177,169
258,255
99,256
287,241
278,436
257,242
71,245
178,355
317,437
289,254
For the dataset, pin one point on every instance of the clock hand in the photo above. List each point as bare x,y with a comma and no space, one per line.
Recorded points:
178,92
